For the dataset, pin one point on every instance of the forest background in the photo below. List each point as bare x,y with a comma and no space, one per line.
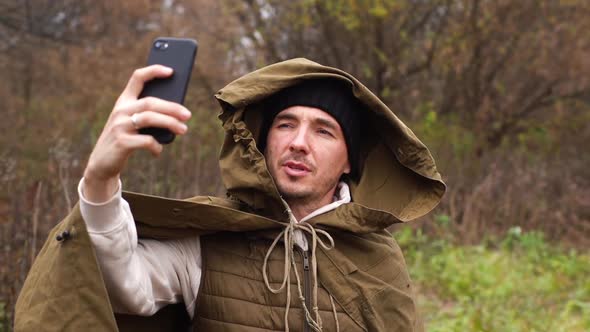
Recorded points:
499,90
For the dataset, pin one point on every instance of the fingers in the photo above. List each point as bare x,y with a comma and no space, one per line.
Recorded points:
134,142
142,75
156,105
159,120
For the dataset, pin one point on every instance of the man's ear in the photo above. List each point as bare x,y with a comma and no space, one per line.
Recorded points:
346,169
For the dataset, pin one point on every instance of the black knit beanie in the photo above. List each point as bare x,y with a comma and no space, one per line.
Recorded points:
331,96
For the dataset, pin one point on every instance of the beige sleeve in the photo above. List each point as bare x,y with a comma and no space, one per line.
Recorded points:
140,276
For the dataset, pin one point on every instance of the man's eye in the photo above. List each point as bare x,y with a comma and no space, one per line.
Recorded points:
325,132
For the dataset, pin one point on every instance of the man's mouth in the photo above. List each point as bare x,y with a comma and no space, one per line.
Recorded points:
295,168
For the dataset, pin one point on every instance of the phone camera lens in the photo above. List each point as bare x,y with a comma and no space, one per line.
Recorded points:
161,45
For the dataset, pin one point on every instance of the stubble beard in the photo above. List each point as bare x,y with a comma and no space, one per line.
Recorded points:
310,194
307,195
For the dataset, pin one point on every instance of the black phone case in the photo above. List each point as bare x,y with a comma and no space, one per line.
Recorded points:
178,54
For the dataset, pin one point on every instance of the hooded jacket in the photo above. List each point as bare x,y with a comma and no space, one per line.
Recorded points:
64,290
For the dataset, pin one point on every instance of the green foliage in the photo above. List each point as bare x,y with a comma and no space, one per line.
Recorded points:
3,317
443,133
352,13
443,220
522,283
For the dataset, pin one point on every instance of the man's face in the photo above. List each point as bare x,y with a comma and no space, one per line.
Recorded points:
306,154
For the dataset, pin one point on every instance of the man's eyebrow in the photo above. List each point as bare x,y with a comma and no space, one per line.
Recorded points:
319,120
285,116
327,123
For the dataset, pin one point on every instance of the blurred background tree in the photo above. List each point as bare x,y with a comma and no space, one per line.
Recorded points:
499,91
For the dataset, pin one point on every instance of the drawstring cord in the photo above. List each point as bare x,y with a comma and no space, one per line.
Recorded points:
287,235
334,311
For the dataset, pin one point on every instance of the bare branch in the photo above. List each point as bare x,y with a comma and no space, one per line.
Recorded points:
36,209
328,35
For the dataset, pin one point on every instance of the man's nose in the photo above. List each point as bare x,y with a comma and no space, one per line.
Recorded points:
300,143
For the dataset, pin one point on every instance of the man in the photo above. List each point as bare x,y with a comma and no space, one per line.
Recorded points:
316,168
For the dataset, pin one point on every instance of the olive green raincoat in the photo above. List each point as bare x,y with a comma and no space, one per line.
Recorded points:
64,290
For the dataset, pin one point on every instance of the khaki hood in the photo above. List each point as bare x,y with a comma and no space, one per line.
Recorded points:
399,181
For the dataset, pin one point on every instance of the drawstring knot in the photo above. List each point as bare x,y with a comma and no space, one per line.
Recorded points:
288,235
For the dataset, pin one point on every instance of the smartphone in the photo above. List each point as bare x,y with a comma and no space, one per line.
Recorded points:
178,54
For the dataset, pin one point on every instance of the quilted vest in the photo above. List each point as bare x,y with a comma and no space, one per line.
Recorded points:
234,297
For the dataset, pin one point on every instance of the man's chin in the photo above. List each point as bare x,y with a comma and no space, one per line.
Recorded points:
294,193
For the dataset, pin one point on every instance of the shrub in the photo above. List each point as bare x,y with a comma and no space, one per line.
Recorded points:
523,284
